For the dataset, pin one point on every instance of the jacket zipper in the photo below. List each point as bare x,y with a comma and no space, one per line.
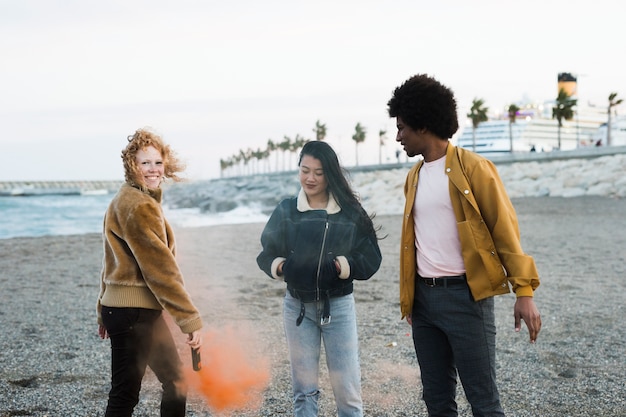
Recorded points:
319,262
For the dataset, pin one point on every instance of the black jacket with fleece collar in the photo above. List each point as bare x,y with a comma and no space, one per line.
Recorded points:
309,241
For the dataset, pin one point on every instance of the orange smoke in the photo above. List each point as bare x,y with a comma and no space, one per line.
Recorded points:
233,375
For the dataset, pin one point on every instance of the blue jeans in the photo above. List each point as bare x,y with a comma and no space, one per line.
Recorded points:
453,333
139,338
342,355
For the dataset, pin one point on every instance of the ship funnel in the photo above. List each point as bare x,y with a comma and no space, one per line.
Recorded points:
567,82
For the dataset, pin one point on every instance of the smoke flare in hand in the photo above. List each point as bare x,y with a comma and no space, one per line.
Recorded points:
233,376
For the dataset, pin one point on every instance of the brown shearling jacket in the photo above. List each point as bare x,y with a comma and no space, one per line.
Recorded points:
139,266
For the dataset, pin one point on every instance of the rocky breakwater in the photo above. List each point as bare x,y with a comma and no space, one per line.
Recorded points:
381,189
260,191
602,176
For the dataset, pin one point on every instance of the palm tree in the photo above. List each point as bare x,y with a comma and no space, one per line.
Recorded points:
564,109
513,109
224,164
260,155
320,131
358,137
612,103
477,114
246,157
381,143
297,144
271,147
285,146
236,162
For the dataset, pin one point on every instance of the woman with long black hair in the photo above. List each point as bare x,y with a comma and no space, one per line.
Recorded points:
319,243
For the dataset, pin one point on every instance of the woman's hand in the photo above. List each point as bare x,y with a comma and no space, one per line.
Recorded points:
194,339
102,332
337,266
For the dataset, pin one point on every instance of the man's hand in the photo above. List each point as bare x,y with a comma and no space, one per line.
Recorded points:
525,309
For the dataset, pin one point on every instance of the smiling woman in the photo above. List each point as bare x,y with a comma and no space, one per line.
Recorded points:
141,278
150,166
148,160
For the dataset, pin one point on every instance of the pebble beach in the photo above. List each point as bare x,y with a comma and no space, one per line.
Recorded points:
571,215
52,362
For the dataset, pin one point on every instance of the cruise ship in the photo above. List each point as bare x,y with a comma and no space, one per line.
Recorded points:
534,129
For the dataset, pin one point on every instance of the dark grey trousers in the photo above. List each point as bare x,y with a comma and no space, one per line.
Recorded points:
453,333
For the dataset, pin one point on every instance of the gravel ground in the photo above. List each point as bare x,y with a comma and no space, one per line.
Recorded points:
52,362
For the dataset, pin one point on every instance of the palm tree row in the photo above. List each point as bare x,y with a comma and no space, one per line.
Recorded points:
253,161
250,161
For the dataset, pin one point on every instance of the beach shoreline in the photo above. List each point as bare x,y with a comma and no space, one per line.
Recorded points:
52,362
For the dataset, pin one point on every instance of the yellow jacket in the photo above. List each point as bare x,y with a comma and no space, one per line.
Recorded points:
488,230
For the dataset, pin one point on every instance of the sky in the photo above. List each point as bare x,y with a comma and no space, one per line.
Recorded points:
77,77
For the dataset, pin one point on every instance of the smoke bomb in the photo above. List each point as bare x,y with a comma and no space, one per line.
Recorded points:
195,359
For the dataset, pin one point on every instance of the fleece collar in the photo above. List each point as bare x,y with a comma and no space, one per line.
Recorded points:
156,193
303,203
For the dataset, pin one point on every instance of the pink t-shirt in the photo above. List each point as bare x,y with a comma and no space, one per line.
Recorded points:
438,248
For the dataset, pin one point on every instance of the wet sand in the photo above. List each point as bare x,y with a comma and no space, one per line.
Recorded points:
52,362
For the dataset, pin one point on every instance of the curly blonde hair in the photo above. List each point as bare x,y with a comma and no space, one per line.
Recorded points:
141,139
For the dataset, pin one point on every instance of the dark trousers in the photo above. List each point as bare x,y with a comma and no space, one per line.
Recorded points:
139,338
453,333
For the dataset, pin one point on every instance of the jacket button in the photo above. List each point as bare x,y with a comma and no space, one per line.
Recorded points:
466,192
448,170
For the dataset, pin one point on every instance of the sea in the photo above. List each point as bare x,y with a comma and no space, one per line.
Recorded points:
57,215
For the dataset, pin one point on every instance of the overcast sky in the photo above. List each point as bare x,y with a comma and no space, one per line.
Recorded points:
214,77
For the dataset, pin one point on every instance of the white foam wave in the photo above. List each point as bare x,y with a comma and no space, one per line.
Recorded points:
193,217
